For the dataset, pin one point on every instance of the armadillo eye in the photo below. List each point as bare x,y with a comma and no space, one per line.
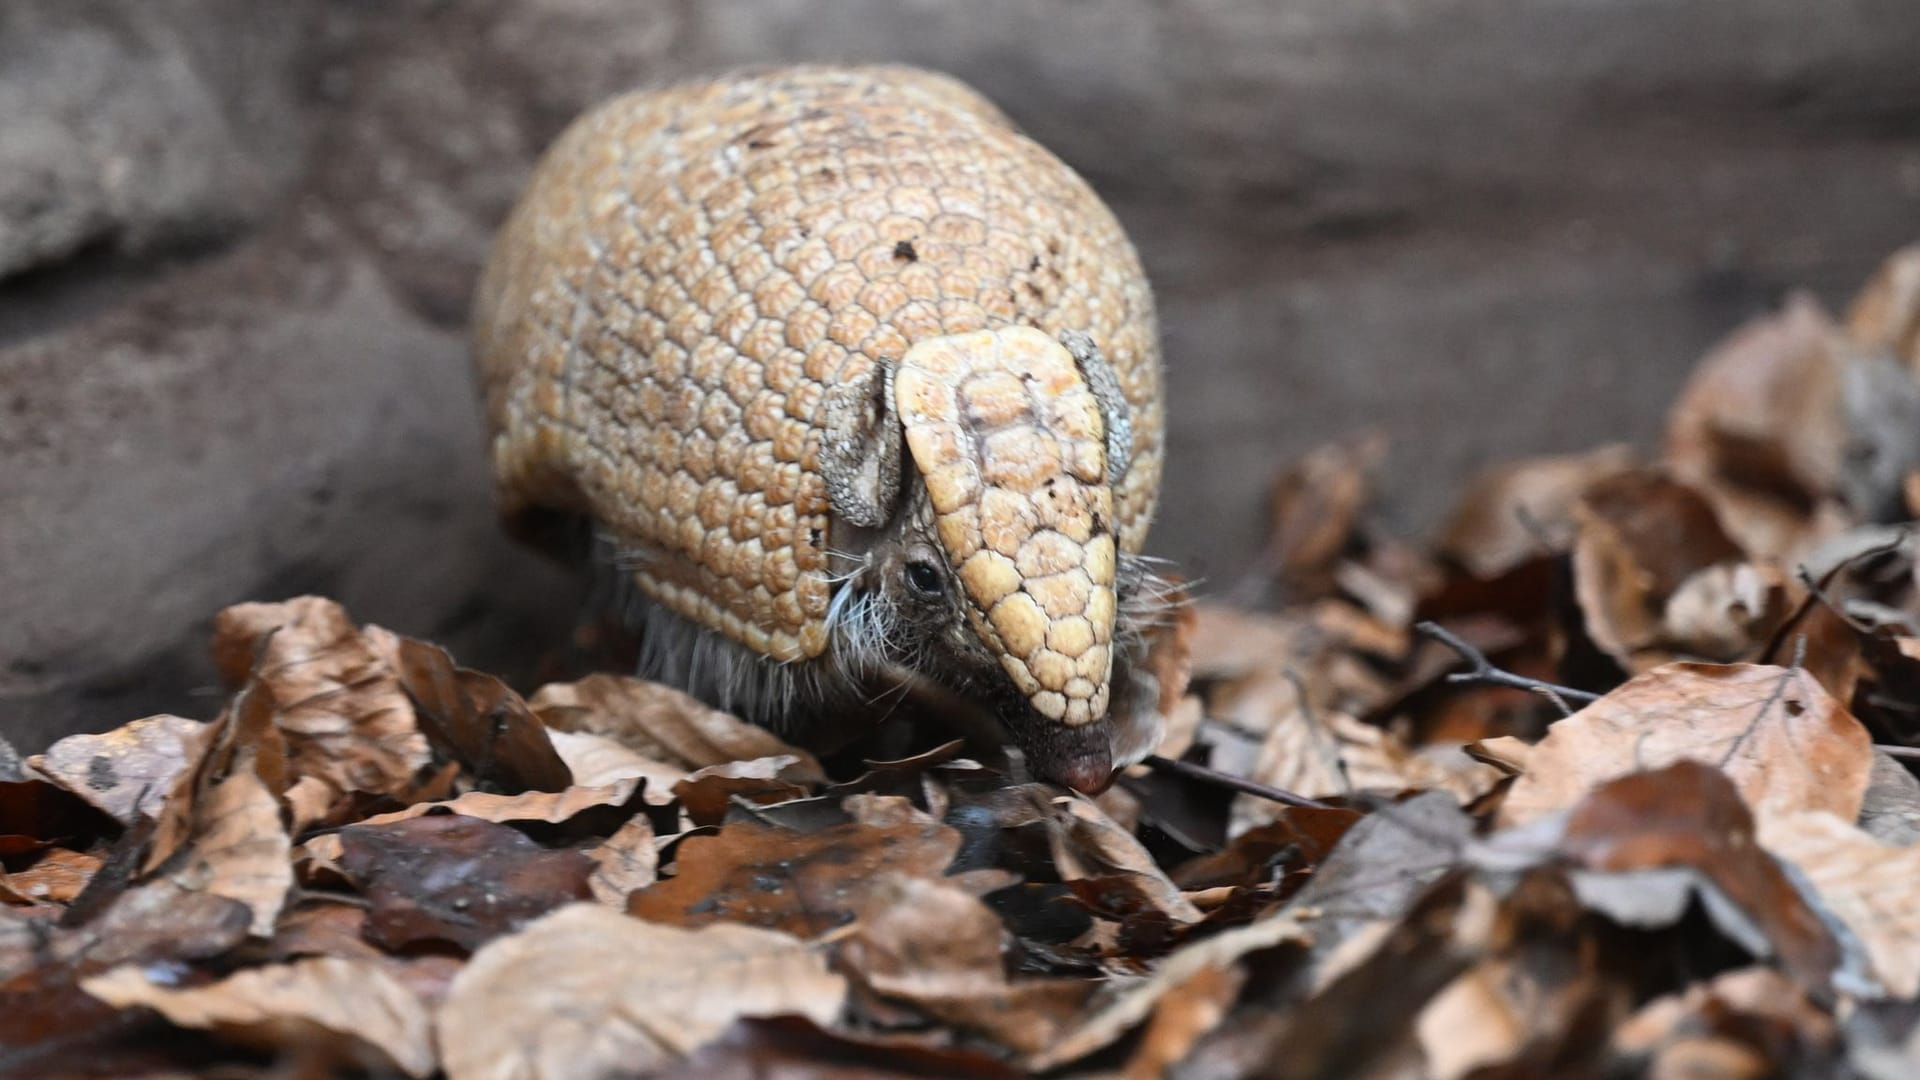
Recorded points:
924,578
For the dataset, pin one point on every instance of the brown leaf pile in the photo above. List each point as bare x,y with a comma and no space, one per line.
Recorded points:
1647,813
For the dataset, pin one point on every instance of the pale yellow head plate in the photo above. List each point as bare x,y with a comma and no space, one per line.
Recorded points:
1010,442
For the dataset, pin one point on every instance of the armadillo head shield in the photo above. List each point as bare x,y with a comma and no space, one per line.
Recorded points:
1009,437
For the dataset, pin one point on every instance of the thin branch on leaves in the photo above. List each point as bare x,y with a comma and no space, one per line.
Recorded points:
1484,673
1241,784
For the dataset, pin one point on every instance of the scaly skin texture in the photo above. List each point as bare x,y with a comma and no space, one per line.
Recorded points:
695,273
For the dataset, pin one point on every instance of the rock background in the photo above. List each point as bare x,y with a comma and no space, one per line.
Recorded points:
236,241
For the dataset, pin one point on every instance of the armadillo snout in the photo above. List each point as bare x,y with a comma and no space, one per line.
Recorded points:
1010,440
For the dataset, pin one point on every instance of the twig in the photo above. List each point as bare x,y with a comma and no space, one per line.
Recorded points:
1484,673
1236,783
1904,753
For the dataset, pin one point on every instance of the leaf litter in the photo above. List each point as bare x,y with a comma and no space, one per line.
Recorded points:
1643,802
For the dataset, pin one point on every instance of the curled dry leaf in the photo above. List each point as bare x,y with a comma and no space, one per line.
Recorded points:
597,761
801,883
1786,744
456,879
1523,510
588,992
661,723
627,861
237,848
549,807
708,793
126,772
1886,314
56,876
1641,535
1122,1006
1088,845
479,721
1756,1008
1725,612
1761,427
1184,1015
347,724
1315,509
936,947
1871,887
1229,643
1690,816
345,1012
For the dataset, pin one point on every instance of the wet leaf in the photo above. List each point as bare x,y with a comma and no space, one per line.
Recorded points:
348,1012
589,992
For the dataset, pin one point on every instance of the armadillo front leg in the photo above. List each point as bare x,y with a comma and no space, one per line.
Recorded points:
860,447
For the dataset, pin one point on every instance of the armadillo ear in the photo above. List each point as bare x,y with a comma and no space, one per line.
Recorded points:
1114,414
860,447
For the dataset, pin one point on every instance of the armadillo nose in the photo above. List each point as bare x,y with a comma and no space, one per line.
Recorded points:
1077,757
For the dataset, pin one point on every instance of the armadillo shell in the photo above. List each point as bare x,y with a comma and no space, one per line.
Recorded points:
689,269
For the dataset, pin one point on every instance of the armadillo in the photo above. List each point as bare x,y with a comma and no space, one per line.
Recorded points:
861,385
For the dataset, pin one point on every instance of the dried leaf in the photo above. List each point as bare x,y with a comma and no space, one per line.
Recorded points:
1523,510
800,883
348,727
1871,887
456,879
661,723
349,1011
1315,509
1472,1023
588,992
128,771
1689,815
550,807
1088,845
1641,535
56,876
1184,1014
1782,740
1761,418
938,948
1122,1007
626,862
1886,314
708,793
238,849
790,1048
597,761
1228,643
479,721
